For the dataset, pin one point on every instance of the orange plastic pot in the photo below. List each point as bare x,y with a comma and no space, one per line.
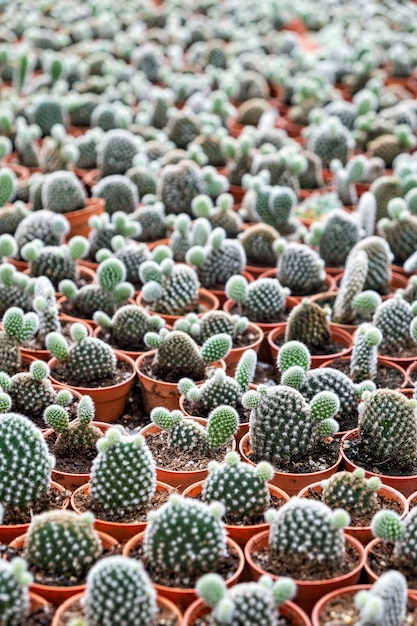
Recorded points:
404,484
67,606
336,335
328,285
308,591
45,355
109,401
9,532
179,479
242,533
118,530
58,594
290,483
184,596
79,219
294,615
235,354
91,178
207,301
412,500
364,533
398,281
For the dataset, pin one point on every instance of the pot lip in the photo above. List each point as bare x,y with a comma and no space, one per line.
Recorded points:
334,330
360,549
203,294
382,360
245,441
138,364
89,390
290,302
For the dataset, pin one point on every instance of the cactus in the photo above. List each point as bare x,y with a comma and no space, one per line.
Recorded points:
128,326
387,147
283,426
14,583
335,237
385,188
16,289
352,492
344,178
183,127
144,179
87,148
219,215
330,140
119,589
185,536
393,318
55,262
178,185
62,543
257,242
252,603
116,151
151,217
309,324
299,268
184,235
104,227
87,360
45,307
212,323
399,229
62,192
387,525
7,185
239,154
118,192
260,301
58,152
385,604
218,260
18,327
130,253
378,277
364,358
10,218
388,428
352,284
241,488
123,475
47,112
25,461
45,225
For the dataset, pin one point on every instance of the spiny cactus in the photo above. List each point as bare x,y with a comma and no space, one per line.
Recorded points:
335,237
62,192
58,152
16,289
388,428
118,192
331,140
352,284
378,277
128,326
364,358
152,219
385,604
387,525
394,319
189,435
220,214
309,324
212,323
44,304
178,185
257,242
186,234
351,491
45,225
273,205
119,589
145,181
116,151
55,262
8,185
18,327
385,188
104,227
345,177
399,229
252,603
10,217
183,127
87,360
239,154
185,536
62,543
46,112
123,475
261,301
299,268
14,584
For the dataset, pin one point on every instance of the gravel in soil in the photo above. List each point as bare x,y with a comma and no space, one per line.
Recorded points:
332,347
245,339
382,558
163,617
53,499
234,518
323,456
386,377
354,452
409,351
342,611
173,376
78,462
300,567
226,567
123,371
134,416
40,617
175,459
196,410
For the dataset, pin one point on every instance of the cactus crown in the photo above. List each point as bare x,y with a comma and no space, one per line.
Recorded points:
170,289
129,325
299,268
364,358
14,600
385,604
351,491
261,301
387,525
309,324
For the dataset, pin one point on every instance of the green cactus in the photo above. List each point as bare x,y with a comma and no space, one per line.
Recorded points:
335,237
252,603
151,217
14,585
385,188
178,185
62,543
130,253
104,227
57,154
18,327
123,475
379,255
62,192
185,536
183,127
393,319
15,289
273,205
116,151
364,358
220,214
47,112
299,268
8,184
44,304
118,192
145,181
331,140
49,227
261,301
309,324
128,326
352,284
185,235
87,148
87,360
25,461
214,322
387,525
257,242
399,229
385,604
10,218
352,492
119,589
239,154
55,262
388,428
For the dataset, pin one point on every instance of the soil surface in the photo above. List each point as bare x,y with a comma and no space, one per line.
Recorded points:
353,450
194,408
381,559
342,610
123,372
40,617
386,377
53,499
77,462
324,455
163,617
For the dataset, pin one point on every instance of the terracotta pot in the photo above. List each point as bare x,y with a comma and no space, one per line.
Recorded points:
321,298
404,484
206,300
243,427
381,361
66,606
70,480
21,266
109,401
292,129
329,283
57,594
321,606
290,483
45,355
364,533
119,530
79,219
9,532
91,178
130,353
412,500
235,354
289,610
239,533
308,591
92,265
179,479
220,294
336,334
184,596
411,374
398,281
37,602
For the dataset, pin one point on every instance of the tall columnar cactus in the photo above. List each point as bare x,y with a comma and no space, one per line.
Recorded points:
258,244
178,354
62,192
14,585
185,536
25,461
394,319
378,277
179,184
44,225
242,488
387,525
335,237
62,543
119,590
111,291
284,426
299,268
129,325
116,151
221,389
308,528
352,284
18,327
218,260
261,301
385,604
309,324
87,359
364,358
352,491
252,603
388,427
190,436
55,262
123,476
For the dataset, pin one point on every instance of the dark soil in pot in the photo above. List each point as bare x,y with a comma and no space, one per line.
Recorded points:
323,456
